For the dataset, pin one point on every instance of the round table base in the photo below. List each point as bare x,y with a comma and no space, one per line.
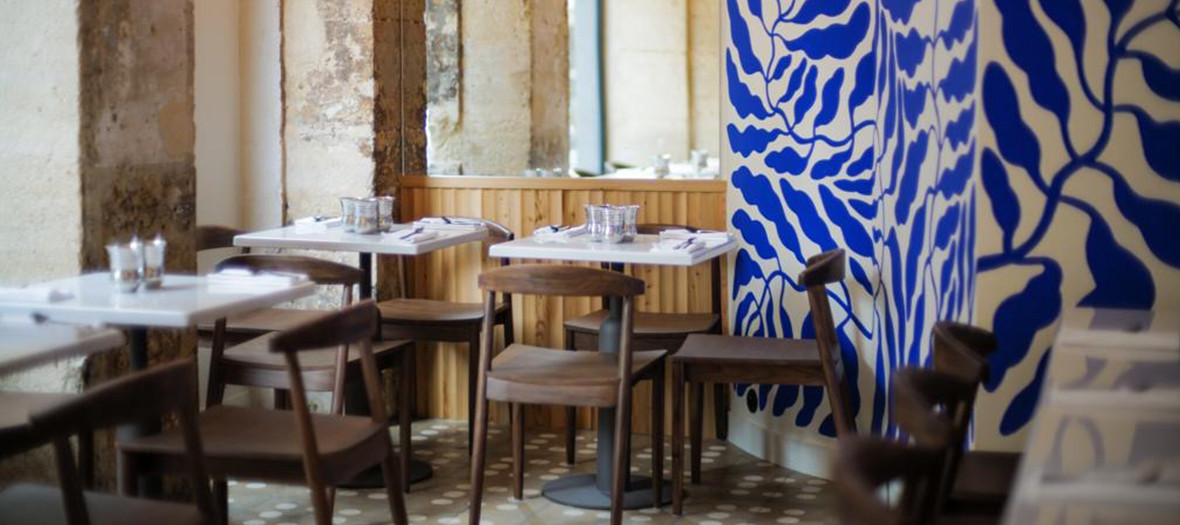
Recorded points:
372,478
582,491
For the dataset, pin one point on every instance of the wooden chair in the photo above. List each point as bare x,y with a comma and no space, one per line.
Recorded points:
527,374
981,479
320,450
725,359
429,320
252,364
165,390
213,237
17,433
654,330
865,465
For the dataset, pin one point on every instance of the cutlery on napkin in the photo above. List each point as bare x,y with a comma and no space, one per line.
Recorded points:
416,235
448,223
700,235
556,232
317,222
689,245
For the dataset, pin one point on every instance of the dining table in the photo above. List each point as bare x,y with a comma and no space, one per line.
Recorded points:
181,301
1103,444
330,235
592,491
26,342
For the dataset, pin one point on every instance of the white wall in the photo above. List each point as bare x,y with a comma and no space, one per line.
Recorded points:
260,116
215,84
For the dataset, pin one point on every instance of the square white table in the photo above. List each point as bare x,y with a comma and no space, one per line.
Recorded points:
332,237
592,491
25,346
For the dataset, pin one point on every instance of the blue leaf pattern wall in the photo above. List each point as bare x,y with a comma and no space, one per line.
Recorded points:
1080,167
933,140
850,125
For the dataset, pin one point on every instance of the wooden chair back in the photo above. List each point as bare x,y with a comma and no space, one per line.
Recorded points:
864,465
319,271
822,270
169,389
960,350
352,326
212,237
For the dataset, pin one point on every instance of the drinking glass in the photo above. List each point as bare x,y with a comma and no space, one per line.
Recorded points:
385,213
630,222
152,272
367,216
348,213
614,228
125,261
595,221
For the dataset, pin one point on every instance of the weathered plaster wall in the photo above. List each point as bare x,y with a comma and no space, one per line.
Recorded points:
216,116
704,75
39,178
550,77
261,115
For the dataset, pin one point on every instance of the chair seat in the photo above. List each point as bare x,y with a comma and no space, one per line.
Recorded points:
726,349
984,480
231,434
432,311
266,320
16,432
650,323
530,374
256,352
41,505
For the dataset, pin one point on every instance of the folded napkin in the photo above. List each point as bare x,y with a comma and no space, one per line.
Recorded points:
448,223
316,223
239,280
700,235
416,235
554,232
34,295
689,245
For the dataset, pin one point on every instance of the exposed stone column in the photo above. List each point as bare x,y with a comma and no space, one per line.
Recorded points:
550,87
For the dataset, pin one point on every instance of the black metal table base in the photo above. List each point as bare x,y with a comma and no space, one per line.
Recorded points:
372,479
582,491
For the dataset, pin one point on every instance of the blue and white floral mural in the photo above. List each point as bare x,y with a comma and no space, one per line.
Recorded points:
868,125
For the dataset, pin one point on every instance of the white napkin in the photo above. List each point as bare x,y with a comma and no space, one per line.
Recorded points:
34,295
316,223
448,223
239,280
410,237
559,233
679,246
702,235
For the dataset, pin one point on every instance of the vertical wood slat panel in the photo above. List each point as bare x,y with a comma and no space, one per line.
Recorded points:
451,275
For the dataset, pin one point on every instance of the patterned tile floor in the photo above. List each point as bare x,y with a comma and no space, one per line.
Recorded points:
737,488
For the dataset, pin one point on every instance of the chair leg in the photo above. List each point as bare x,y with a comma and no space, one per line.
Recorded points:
282,399
405,411
221,500
478,453
393,486
321,505
517,416
472,377
509,331
657,436
86,458
721,410
128,475
677,438
571,414
619,471
696,430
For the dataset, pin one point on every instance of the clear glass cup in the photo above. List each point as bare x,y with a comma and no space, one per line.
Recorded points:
152,271
595,221
630,222
367,217
348,213
125,260
614,228
385,213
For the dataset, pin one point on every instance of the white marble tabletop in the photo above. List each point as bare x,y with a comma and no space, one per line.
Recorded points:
1113,329
26,345
640,251
182,301
333,238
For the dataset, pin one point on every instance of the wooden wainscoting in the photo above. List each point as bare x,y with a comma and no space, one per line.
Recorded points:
524,204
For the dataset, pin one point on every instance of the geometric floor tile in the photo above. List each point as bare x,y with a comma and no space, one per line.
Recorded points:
736,488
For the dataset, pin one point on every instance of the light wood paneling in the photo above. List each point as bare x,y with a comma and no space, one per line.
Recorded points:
524,204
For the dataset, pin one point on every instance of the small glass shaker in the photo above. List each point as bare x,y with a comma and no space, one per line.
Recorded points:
152,272
367,216
125,261
630,222
348,213
385,213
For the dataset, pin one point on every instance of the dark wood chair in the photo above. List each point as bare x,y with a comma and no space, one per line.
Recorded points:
981,479
321,450
18,435
727,359
654,330
214,237
524,374
252,364
166,390
864,465
430,320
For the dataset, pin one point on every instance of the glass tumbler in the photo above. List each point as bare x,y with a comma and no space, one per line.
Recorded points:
125,261
595,221
152,272
385,213
367,216
348,213
630,222
614,228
